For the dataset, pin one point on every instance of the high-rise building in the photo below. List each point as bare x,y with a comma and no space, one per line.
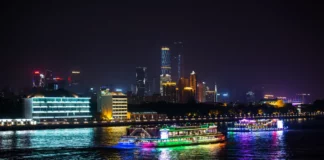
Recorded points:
141,81
112,105
193,82
163,79
165,61
187,94
201,92
48,78
250,97
210,96
75,82
59,83
38,79
165,67
215,96
177,51
182,83
169,91
75,77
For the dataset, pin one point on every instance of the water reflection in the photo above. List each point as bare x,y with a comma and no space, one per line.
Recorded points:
46,138
96,143
247,145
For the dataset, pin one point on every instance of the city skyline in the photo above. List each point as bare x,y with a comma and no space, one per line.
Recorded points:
239,51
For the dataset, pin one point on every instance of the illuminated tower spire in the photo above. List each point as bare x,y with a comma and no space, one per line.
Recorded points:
215,93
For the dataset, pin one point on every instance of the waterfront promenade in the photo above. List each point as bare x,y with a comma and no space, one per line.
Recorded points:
86,123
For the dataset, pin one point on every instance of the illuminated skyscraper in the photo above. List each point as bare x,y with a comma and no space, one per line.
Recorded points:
210,96
48,77
169,90
141,80
75,77
163,79
177,51
215,97
187,94
165,67
193,82
75,82
165,61
38,79
182,83
201,92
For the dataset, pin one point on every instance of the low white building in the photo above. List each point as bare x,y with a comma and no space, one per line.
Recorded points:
56,105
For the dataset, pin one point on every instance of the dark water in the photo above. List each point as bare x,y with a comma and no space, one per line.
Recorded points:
304,140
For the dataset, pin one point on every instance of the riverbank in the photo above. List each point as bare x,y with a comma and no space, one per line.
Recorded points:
58,125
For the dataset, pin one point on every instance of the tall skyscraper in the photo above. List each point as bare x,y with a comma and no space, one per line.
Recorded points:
201,92
141,80
74,81
193,82
210,96
215,98
163,79
177,51
182,83
169,90
75,77
165,61
38,79
48,77
165,67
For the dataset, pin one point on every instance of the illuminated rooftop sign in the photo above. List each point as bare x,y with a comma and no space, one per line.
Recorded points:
165,49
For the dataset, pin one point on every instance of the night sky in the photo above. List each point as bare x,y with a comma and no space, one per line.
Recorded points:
239,44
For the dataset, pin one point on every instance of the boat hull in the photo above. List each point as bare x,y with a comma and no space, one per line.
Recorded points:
171,143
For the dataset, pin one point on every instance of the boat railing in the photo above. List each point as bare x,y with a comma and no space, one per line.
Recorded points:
141,130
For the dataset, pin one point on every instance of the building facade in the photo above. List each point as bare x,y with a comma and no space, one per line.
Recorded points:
165,61
177,51
193,83
38,79
141,81
210,96
201,92
182,83
163,79
169,91
165,67
40,107
112,105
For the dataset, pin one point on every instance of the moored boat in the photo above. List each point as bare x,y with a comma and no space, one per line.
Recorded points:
171,136
245,125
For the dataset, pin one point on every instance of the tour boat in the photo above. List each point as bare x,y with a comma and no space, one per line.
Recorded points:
170,136
245,125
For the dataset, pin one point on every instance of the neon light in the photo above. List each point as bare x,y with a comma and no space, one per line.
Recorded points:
61,111
36,72
119,90
280,124
164,133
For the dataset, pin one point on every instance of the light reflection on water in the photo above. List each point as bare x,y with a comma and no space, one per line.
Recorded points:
97,143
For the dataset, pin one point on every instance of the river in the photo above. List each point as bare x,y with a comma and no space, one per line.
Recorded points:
303,140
